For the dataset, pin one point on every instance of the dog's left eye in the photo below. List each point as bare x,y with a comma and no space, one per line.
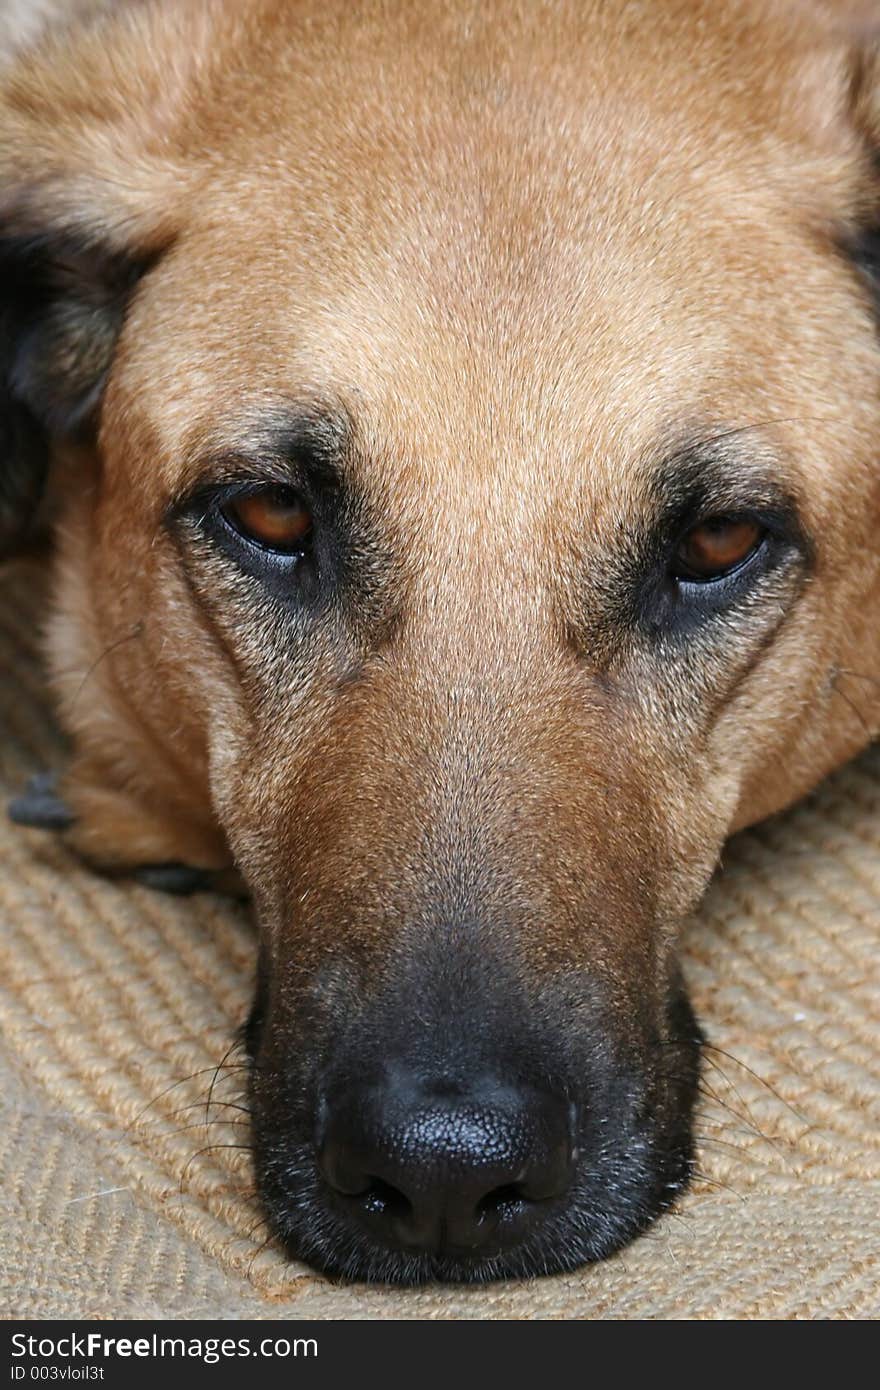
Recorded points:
274,517
716,548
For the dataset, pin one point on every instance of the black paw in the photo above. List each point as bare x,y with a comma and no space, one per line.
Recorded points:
40,806
179,879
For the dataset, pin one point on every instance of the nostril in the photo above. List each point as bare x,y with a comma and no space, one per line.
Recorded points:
515,1198
381,1199
371,1194
505,1202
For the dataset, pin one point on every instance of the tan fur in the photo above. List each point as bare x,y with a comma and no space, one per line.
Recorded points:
512,423
522,244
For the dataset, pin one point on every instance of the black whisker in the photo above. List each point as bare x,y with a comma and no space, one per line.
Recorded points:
854,707
245,1148
184,1080
137,631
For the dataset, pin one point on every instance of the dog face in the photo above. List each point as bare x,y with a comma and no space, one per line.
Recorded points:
464,433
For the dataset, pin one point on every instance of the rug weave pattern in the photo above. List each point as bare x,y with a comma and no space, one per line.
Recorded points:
124,1193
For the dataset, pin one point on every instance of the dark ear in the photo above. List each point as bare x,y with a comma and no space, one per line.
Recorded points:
62,302
92,173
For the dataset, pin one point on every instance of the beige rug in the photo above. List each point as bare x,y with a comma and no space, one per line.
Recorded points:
121,1197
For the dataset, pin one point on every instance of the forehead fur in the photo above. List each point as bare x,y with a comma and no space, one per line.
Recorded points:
517,253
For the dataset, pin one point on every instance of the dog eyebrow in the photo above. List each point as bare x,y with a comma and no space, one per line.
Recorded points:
727,471
298,447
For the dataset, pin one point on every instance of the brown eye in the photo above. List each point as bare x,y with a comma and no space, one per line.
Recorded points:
273,517
716,547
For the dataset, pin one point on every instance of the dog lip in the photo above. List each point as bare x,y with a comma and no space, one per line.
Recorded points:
594,1218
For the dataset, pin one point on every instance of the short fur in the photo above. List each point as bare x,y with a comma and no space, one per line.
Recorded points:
515,292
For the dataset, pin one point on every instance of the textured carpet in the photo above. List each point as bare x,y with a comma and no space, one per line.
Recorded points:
123,1193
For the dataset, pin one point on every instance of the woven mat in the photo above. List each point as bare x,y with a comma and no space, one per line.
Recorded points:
121,1197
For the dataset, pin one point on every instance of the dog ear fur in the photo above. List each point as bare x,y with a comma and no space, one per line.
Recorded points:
62,301
91,172
862,243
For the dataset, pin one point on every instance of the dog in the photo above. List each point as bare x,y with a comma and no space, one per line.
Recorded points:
459,425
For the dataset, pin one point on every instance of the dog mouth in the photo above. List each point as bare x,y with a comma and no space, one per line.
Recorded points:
384,1176
611,1201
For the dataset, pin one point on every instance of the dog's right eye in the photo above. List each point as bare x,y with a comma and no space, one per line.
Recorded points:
273,517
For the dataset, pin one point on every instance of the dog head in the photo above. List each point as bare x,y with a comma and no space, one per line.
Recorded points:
463,430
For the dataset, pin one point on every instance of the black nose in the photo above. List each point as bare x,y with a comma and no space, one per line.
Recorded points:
444,1168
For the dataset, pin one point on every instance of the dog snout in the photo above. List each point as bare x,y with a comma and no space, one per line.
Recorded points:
447,1170
471,1139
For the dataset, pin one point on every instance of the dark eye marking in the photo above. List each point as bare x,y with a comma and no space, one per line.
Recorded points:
860,250
257,528
275,503
725,532
282,506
